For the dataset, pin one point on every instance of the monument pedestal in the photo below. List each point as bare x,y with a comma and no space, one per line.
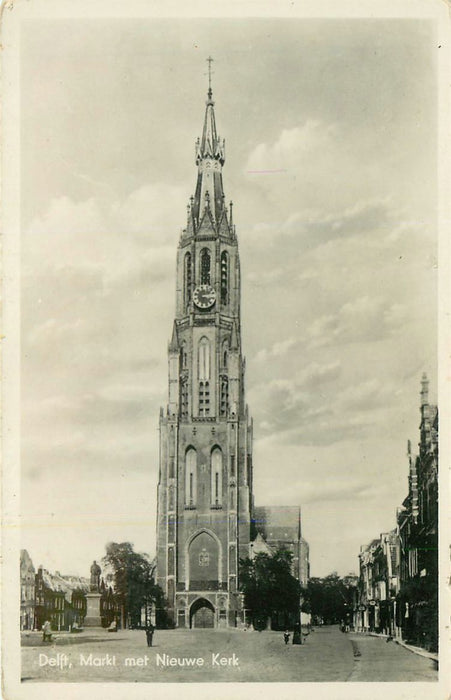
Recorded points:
92,618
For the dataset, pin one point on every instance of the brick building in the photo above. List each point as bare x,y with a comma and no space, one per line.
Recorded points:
205,487
59,599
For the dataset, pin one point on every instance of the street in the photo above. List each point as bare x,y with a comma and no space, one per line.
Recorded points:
221,656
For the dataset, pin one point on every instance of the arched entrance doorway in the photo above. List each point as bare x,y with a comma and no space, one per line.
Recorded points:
202,614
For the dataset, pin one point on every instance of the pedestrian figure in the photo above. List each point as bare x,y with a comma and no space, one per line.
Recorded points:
46,632
297,635
149,634
286,636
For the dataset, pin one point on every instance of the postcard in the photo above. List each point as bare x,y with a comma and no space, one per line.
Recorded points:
226,249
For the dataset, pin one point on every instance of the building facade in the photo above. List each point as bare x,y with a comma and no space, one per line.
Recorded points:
27,591
378,585
418,535
59,599
398,585
205,474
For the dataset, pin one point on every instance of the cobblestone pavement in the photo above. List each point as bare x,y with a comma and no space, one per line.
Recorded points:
226,656
379,660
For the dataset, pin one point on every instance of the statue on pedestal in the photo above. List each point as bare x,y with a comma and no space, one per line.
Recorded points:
95,576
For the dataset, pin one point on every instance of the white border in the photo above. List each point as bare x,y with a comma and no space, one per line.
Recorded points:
13,13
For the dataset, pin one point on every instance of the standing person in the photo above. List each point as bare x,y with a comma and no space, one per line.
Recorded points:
150,629
46,631
286,636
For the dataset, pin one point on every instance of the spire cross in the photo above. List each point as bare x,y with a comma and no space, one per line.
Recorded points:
210,73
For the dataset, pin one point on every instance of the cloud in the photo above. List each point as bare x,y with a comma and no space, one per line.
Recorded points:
292,146
376,224
366,396
334,489
314,172
364,319
277,350
336,285
95,325
145,212
321,427
319,405
316,374
106,242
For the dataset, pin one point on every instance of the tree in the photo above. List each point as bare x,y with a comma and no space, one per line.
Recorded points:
133,581
270,590
330,598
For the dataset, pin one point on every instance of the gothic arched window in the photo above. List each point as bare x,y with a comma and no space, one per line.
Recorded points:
184,397
224,278
216,477
183,357
224,401
190,478
204,399
204,376
204,359
187,278
224,352
205,264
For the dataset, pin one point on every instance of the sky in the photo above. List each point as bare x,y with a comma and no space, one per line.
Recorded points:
330,129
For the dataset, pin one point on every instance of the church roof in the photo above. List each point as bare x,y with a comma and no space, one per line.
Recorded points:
259,546
280,523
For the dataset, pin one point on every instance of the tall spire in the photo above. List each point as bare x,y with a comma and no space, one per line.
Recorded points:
210,145
210,157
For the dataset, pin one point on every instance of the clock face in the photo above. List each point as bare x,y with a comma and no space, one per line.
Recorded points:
204,296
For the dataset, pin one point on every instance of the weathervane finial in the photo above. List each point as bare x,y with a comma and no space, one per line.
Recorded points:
210,73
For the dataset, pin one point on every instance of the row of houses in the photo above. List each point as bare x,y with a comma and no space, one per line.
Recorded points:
397,592
61,599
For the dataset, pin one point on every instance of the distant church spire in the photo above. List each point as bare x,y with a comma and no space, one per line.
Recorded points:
424,389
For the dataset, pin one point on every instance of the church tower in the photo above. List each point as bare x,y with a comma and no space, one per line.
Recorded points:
205,476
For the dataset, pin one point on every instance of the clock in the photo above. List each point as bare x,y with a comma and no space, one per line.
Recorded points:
204,296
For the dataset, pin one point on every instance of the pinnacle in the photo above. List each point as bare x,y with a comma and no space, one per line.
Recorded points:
174,344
